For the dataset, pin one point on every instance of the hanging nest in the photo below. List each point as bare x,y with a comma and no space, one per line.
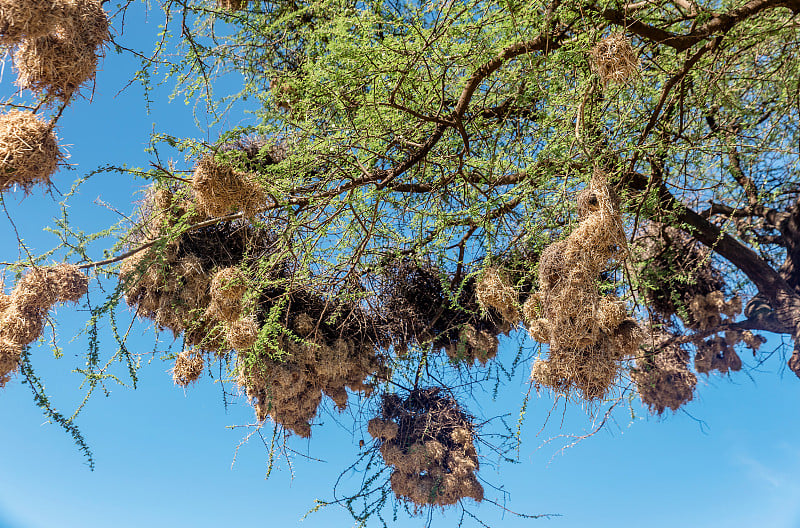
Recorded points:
417,309
673,269
589,334
30,19
202,284
493,290
56,65
336,350
219,189
59,62
29,152
613,59
10,353
719,353
288,384
662,375
25,310
429,442
88,23
232,5
188,367
706,311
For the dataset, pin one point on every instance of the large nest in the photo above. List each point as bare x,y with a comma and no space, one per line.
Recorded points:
673,270
59,62
662,375
418,308
429,441
29,151
288,383
614,59
29,19
219,189
23,313
589,334
223,286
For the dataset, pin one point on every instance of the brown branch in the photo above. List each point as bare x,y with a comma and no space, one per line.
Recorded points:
718,24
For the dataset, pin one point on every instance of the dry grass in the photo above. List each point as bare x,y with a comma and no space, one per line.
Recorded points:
57,62
219,189
614,59
429,442
23,313
242,333
232,5
55,65
30,19
494,291
29,152
589,334
188,367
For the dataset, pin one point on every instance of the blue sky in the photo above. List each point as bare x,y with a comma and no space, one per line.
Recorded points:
164,455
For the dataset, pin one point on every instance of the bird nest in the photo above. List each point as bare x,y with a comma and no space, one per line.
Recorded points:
61,58
417,307
219,189
662,375
29,19
429,442
589,334
23,312
673,269
29,152
613,59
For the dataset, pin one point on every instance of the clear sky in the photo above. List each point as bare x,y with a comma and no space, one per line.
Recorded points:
164,455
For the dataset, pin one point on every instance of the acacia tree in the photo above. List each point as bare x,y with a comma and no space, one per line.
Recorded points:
419,180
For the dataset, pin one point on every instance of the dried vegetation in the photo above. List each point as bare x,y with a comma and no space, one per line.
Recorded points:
29,152
24,311
613,59
589,334
429,442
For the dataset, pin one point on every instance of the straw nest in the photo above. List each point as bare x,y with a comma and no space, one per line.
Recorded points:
219,189
589,334
202,285
417,307
288,385
662,375
59,62
54,65
429,442
188,367
29,19
673,269
24,312
232,5
613,59
706,311
719,353
493,290
29,152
